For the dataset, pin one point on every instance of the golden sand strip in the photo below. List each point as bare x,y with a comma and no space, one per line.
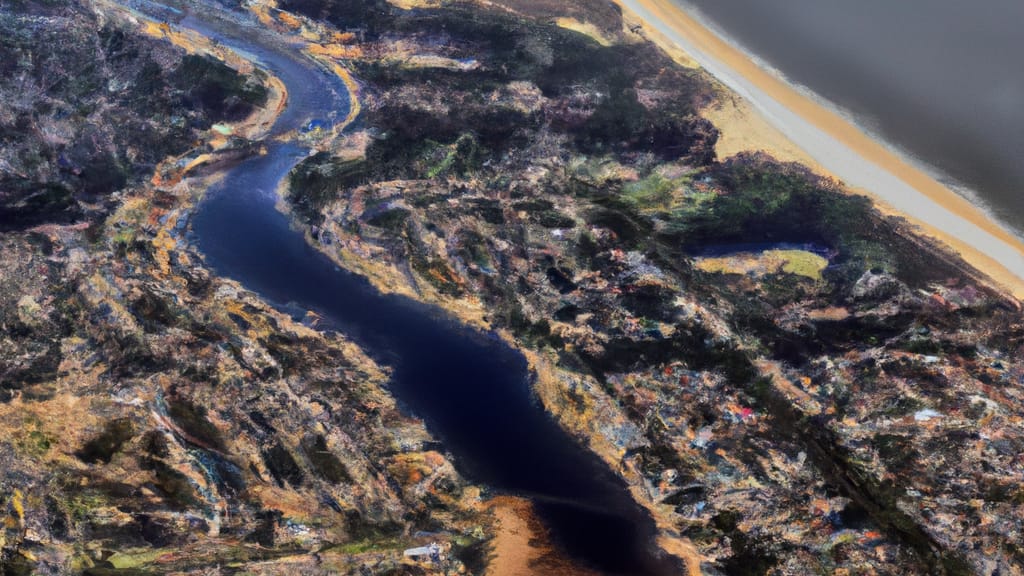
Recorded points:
355,106
521,545
327,51
835,146
512,550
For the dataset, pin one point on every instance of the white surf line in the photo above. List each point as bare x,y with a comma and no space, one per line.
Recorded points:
842,161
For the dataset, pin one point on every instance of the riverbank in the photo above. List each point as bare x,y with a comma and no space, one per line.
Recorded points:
222,229
522,545
159,417
815,135
686,382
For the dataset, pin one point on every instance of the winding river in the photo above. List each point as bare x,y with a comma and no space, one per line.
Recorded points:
470,388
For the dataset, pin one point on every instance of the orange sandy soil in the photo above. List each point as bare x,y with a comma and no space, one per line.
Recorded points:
521,545
743,128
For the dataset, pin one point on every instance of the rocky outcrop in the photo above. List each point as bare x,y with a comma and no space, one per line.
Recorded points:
90,108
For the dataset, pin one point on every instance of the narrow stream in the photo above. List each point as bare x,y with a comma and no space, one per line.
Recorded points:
471,389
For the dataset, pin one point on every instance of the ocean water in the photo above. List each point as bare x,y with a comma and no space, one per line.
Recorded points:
942,80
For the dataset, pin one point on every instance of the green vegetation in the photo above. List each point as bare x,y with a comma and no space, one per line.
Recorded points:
764,200
82,504
460,158
652,193
212,86
767,263
363,546
417,143
127,560
555,219
191,418
750,557
112,98
474,249
802,263
282,466
490,211
439,274
393,219
315,182
896,450
372,15
760,200
474,554
31,440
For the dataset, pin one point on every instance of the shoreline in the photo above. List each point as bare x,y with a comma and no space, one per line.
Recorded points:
832,145
522,545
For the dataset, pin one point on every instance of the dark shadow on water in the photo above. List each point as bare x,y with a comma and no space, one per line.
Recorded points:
470,388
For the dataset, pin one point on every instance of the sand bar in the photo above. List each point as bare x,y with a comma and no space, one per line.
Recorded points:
839,148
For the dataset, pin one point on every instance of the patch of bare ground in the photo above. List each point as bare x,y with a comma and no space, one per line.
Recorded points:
521,544
606,16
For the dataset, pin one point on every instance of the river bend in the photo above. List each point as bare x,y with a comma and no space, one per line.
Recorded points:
470,388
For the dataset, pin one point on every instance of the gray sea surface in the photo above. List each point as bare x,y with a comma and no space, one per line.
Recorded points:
942,80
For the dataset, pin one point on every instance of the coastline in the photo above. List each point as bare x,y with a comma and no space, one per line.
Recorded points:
806,131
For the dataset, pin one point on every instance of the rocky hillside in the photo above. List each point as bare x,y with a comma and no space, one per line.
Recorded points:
90,108
790,380
156,418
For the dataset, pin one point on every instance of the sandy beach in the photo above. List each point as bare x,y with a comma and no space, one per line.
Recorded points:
521,544
793,126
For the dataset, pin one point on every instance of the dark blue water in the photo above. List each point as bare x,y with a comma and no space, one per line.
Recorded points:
470,388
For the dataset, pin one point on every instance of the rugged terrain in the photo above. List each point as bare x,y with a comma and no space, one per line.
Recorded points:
157,418
791,382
